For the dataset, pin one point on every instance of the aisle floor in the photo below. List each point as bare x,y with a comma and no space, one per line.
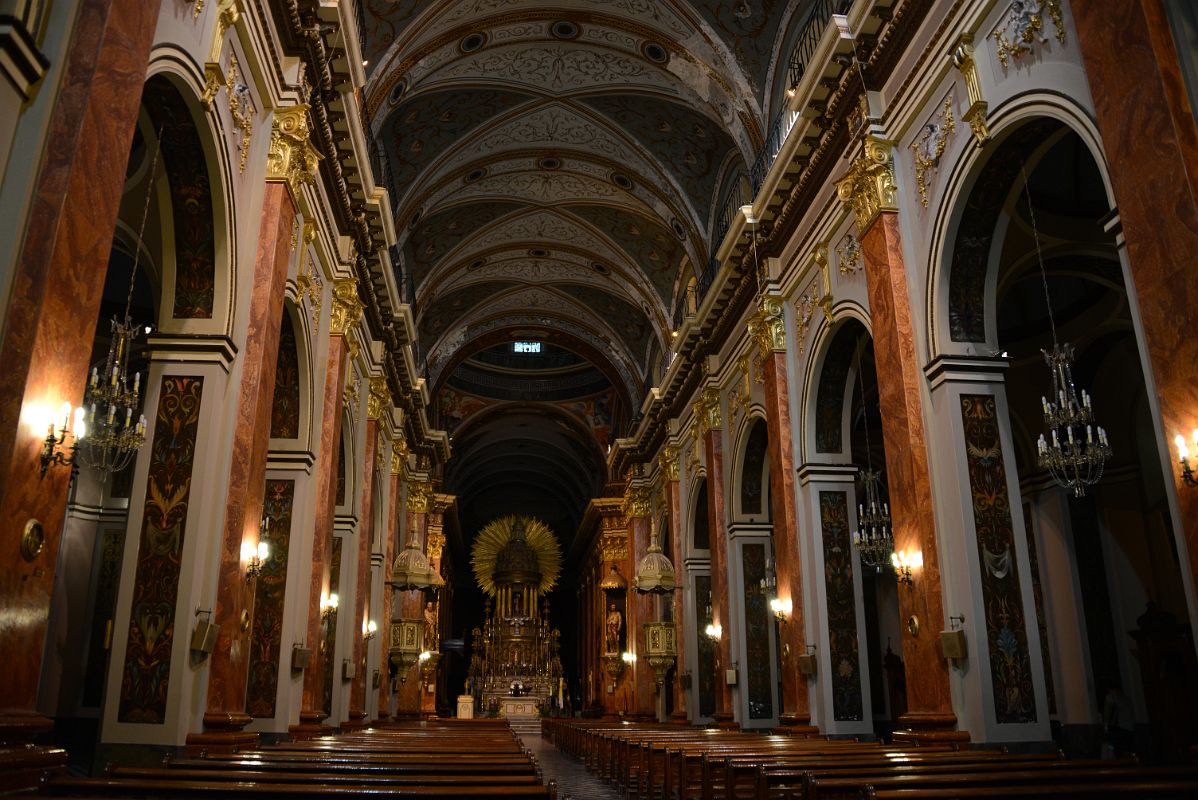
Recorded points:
573,780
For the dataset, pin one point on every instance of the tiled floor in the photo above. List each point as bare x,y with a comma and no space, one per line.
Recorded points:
573,781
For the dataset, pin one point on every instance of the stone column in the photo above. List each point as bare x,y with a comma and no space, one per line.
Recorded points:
768,328
54,302
1151,143
390,535
711,423
409,604
668,460
870,191
225,717
377,403
346,311
637,508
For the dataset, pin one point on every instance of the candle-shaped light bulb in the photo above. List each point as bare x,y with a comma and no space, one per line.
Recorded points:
128,417
95,376
1195,437
1089,435
80,426
1069,430
136,382
111,413
1056,442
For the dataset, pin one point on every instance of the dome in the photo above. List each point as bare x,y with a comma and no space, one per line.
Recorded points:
517,560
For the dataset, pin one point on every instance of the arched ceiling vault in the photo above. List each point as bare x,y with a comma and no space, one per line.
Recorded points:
555,168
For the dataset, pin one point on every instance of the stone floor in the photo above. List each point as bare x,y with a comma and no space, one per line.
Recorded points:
573,781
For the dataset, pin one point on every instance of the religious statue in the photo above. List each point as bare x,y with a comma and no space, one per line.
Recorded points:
615,622
431,639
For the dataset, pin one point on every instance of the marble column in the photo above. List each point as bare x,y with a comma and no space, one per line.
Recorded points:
869,190
409,604
713,445
346,311
225,717
769,330
1151,143
390,536
53,306
637,508
670,474
378,400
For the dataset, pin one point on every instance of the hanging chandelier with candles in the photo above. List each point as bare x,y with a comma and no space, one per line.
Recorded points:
874,537
1074,448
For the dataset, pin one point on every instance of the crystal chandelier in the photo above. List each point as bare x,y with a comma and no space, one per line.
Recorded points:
1075,449
110,436
874,538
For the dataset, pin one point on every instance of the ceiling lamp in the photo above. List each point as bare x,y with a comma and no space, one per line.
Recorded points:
1076,449
655,572
874,537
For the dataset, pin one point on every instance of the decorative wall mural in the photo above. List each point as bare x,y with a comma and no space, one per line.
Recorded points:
704,671
1006,631
840,596
146,669
975,234
191,200
757,634
284,413
266,635
341,471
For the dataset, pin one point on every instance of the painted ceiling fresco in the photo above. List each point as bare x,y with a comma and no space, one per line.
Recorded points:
555,167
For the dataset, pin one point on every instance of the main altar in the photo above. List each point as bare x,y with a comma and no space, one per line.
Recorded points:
515,665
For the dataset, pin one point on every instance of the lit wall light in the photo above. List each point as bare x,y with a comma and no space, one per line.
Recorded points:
328,605
54,448
714,631
255,556
369,630
904,563
781,608
629,658
1183,457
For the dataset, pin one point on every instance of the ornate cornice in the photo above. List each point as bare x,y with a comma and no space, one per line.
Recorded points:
869,188
292,157
347,308
379,399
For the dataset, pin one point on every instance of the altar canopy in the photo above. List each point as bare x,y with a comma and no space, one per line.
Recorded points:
516,562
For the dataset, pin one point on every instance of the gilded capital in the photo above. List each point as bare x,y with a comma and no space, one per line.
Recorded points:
668,459
709,410
292,157
436,544
379,399
420,495
868,188
396,462
637,501
768,327
347,308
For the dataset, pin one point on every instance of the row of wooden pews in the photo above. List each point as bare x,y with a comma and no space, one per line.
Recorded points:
668,762
478,760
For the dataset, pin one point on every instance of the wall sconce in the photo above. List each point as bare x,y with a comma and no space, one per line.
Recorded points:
54,450
254,557
904,563
328,606
1183,457
629,658
369,630
713,631
781,608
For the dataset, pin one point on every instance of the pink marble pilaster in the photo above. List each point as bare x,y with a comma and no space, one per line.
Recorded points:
640,611
796,707
713,443
1151,143
53,306
225,715
313,714
675,533
929,703
357,689
385,618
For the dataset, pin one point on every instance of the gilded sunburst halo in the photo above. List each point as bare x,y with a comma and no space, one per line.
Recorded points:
495,536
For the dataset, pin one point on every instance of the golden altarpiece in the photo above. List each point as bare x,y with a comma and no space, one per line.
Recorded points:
515,666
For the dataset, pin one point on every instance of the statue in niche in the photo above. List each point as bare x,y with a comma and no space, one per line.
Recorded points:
431,637
615,623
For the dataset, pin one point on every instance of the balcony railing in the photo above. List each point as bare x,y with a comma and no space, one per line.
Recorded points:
735,199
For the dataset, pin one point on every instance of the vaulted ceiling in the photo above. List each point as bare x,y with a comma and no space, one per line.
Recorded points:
557,166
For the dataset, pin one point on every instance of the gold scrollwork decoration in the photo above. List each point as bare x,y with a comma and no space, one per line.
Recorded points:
708,410
420,495
308,283
637,501
347,308
1023,26
241,109
929,146
379,399
975,115
352,394
869,188
668,459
